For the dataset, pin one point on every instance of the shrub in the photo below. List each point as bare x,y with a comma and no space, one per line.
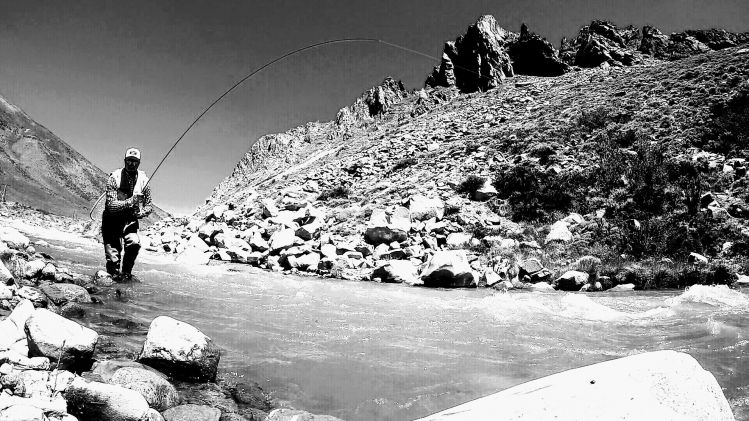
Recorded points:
594,119
337,192
728,130
470,184
535,194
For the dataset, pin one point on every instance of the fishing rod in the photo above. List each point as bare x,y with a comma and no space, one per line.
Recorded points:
254,72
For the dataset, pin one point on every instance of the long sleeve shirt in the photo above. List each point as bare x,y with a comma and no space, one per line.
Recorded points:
119,197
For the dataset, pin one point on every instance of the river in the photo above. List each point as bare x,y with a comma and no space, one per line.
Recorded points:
367,351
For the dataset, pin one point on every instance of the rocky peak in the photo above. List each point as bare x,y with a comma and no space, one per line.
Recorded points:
376,101
535,56
603,42
477,60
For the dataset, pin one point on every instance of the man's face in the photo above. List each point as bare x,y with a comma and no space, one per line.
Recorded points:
131,164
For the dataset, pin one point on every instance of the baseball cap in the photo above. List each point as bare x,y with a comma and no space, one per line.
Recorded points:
132,153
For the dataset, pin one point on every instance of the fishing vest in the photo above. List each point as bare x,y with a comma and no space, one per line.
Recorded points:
140,183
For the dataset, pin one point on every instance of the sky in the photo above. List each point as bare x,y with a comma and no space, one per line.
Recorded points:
107,75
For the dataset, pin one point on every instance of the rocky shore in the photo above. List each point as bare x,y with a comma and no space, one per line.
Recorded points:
51,368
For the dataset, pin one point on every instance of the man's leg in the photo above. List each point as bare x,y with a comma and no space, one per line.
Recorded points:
132,247
112,248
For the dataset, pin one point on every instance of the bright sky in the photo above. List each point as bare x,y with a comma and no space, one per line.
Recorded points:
106,75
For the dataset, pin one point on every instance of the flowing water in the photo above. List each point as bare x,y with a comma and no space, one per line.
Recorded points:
366,351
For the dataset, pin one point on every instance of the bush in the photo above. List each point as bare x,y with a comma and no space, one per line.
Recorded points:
470,184
594,119
535,194
337,192
728,131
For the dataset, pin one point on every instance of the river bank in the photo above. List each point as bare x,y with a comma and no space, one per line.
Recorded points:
362,350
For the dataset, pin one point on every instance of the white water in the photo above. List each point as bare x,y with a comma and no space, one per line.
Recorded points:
365,351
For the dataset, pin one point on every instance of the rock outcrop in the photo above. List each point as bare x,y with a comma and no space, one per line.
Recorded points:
477,60
535,56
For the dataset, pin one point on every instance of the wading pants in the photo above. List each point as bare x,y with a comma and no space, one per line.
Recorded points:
114,234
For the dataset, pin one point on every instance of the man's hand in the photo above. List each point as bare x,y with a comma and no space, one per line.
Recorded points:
141,214
136,200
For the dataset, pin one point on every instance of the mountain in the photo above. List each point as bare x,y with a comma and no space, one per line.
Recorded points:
625,144
40,170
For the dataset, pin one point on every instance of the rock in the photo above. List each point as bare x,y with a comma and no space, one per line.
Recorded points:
661,385
540,287
572,280
308,262
380,230
681,45
477,60
218,211
489,278
309,231
102,279
258,243
401,219
529,266
33,294
485,192
448,269
48,271
180,350
5,292
158,392
285,414
397,271
458,239
742,279
559,232
654,43
251,394
195,252
13,238
53,294
74,293
622,287
112,403
22,412
281,240
269,208
33,268
6,277
422,208
535,56
697,259
191,412
602,42
53,336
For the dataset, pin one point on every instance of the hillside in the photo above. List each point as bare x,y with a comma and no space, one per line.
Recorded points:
630,147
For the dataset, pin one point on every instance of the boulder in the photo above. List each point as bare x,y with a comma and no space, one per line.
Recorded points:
422,208
269,208
654,43
560,232
13,238
308,261
697,259
540,287
603,42
283,239
715,39
622,287
33,294
380,230
681,45
180,350
660,385
397,271
458,239
155,388
74,293
103,279
192,412
5,292
448,269
485,192
572,280
258,243
112,403
285,414
5,276
33,268
63,341
21,412
195,252
54,294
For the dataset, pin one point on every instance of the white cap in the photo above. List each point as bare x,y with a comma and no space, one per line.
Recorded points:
132,153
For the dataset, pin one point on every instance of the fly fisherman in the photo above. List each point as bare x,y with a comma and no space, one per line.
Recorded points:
128,200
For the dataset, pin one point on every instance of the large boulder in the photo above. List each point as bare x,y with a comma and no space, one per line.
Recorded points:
286,414
397,271
63,341
661,385
100,401
13,238
603,42
380,229
559,232
477,60
180,350
422,208
572,280
283,239
159,393
192,412
682,45
449,269
5,276
654,42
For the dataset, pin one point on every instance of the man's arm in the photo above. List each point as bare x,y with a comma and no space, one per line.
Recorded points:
113,205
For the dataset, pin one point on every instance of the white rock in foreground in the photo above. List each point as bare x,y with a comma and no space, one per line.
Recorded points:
53,336
180,350
661,385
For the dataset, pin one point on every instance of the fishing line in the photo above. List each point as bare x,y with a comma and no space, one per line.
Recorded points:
254,72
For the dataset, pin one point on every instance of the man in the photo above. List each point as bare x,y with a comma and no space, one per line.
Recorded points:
128,200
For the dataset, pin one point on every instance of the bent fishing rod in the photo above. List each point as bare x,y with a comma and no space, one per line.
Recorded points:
254,72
